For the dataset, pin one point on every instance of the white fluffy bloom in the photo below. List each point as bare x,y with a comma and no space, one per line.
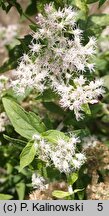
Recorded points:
74,97
29,75
3,121
38,181
55,59
89,142
62,154
8,34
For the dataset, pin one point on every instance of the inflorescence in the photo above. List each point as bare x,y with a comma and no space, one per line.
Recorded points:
58,60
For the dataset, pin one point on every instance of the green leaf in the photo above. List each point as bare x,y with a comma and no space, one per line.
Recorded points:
7,5
20,188
54,135
106,81
52,107
36,122
5,196
105,118
33,27
27,155
47,96
48,122
96,110
78,190
15,54
101,20
16,5
60,194
81,133
9,168
102,63
32,8
26,124
86,109
72,178
81,195
15,141
81,5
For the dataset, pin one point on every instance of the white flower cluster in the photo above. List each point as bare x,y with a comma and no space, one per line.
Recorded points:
3,121
62,154
79,94
7,34
38,181
89,142
57,58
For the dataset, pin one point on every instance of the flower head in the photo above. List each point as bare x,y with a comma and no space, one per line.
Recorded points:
38,181
57,57
62,154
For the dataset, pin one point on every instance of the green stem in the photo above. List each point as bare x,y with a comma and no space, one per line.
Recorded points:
28,18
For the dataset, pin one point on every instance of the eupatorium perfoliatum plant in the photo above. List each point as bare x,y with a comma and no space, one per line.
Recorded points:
52,147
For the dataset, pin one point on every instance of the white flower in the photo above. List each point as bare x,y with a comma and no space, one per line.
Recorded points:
55,59
82,93
70,190
38,181
80,156
8,34
36,137
35,48
61,155
76,163
89,142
